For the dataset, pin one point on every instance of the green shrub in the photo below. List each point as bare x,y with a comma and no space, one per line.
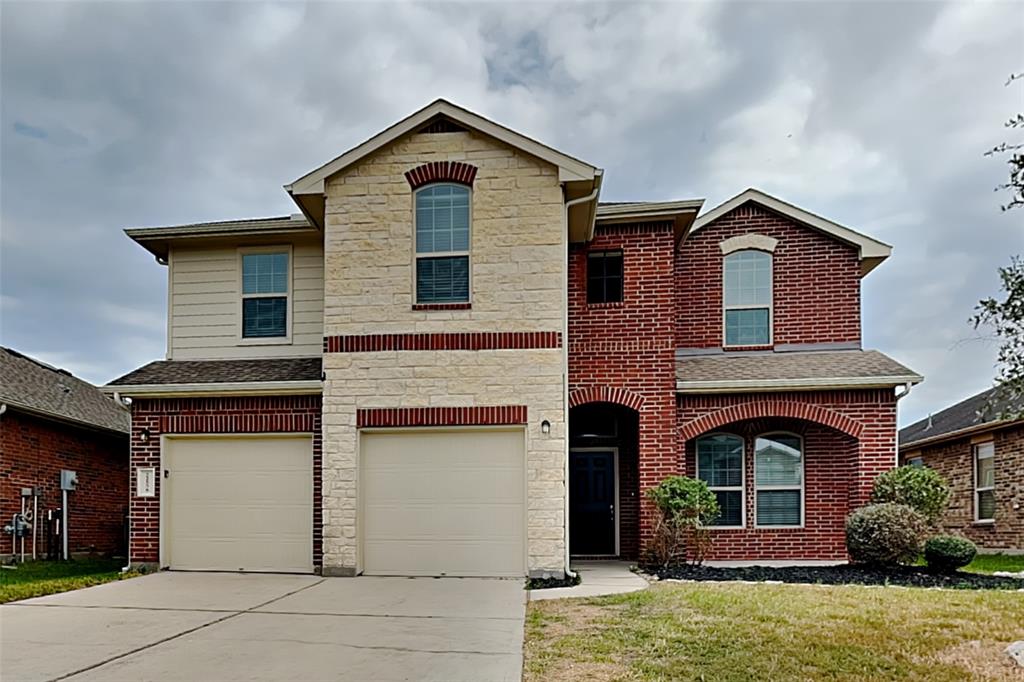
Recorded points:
918,487
885,534
685,508
949,552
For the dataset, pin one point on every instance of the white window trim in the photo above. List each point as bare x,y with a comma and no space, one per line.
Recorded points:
741,489
975,451
770,306
416,255
268,340
803,481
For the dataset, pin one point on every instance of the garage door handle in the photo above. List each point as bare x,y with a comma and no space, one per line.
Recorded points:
167,473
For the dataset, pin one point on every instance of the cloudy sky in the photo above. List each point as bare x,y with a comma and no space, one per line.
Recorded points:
876,115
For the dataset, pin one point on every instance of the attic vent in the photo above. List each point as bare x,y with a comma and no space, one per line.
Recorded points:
442,125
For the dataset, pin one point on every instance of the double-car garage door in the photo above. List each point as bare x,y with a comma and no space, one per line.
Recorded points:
444,502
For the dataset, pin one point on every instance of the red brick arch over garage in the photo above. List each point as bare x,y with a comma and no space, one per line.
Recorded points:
605,394
772,408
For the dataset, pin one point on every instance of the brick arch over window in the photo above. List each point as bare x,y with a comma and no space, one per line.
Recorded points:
772,408
441,171
605,394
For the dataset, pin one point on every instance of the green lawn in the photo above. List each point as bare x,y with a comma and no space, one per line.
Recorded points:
717,631
38,578
990,563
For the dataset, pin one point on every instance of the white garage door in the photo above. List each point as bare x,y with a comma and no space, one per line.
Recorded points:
238,504
443,502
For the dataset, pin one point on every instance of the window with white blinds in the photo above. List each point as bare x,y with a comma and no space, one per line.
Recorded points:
985,482
442,244
779,480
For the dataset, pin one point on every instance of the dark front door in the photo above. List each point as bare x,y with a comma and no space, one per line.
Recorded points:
592,502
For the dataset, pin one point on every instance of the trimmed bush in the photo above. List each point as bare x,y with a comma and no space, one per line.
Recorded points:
885,534
947,553
921,488
685,508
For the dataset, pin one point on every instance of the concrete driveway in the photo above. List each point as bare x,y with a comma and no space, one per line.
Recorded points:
227,626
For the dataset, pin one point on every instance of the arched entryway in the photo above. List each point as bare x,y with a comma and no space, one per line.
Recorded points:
604,509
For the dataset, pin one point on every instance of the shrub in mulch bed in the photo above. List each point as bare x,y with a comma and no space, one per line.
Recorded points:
849,574
549,583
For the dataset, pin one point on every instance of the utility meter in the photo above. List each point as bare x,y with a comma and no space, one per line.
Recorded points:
68,479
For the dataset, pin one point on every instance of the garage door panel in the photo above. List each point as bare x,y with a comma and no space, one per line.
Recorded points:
443,502
239,503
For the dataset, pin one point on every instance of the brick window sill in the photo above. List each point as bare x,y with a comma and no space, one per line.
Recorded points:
442,306
607,304
984,523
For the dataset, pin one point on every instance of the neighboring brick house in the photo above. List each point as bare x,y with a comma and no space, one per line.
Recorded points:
457,361
978,447
50,421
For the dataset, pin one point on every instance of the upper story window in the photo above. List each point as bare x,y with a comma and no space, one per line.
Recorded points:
720,465
984,482
266,293
779,480
747,298
604,277
442,244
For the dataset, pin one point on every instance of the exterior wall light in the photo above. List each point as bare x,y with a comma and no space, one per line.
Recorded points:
144,435
545,427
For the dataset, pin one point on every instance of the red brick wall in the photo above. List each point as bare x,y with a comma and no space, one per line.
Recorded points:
840,469
816,282
267,414
630,345
954,461
32,453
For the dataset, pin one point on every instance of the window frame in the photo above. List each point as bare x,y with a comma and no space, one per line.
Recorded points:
770,306
443,254
803,481
975,449
741,489
604,253
285,340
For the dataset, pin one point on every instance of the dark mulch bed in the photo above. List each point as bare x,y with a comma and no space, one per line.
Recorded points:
909,576
548,583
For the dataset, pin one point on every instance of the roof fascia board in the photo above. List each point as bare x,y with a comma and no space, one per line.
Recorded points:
795,384
223,388
570,169
870,248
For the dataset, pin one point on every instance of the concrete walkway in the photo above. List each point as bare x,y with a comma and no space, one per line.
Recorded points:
598,578
229,626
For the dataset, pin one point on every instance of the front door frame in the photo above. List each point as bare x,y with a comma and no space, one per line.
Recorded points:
615,465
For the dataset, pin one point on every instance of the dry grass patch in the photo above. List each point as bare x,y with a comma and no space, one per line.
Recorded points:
717,631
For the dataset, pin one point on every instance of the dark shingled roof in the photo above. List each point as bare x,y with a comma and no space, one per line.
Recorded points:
789,369
983,408
163,372
36,387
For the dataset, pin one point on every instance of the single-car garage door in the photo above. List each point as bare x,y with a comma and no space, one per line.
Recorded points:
444,502
238,503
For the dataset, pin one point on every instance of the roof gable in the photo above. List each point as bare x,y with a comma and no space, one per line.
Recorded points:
871,251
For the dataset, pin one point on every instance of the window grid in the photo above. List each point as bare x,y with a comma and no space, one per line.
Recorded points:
605,277
747,298
778,486
266,290
442,239
731,446
984,482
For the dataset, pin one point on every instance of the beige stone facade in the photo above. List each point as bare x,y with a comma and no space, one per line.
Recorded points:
518,279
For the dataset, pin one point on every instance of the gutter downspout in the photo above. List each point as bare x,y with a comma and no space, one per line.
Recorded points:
565,357
900,396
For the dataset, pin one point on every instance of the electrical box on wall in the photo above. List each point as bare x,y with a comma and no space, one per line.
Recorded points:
68,479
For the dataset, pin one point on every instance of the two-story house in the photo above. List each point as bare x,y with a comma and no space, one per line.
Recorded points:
457,361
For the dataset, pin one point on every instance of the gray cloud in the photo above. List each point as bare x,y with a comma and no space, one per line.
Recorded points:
125,114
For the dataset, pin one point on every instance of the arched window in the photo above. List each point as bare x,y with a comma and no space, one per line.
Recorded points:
779,480
747,298
442,244
720,465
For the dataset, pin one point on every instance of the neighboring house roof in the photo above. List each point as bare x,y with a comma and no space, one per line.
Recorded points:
276,375
789,370
977,413
872,252
157,240
32,386
581,178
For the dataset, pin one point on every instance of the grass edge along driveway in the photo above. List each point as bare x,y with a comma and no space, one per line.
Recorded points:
40,578
719,631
